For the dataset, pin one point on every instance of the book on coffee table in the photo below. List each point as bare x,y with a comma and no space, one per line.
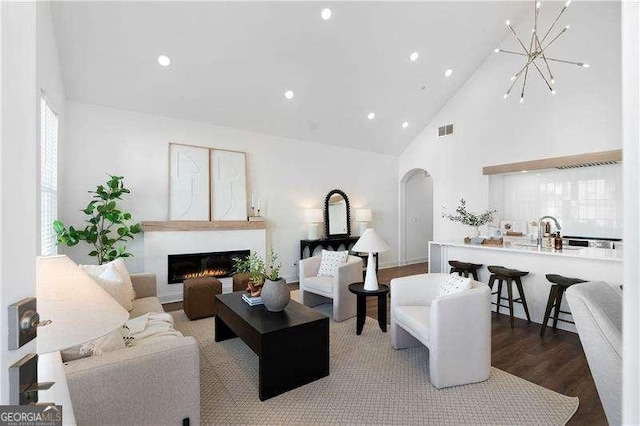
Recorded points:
252,301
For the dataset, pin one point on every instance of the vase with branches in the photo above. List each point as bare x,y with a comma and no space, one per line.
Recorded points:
474,220
108,226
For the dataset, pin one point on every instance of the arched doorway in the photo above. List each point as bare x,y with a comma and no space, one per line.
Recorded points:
416,216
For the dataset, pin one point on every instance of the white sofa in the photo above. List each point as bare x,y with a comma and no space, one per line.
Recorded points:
455,328
596,308
142,385
316,290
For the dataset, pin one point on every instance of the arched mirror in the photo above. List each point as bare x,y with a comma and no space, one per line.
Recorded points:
337,217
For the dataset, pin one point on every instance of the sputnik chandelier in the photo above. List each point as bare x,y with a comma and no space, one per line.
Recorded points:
537,52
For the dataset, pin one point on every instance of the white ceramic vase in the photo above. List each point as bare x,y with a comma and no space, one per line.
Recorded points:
275,295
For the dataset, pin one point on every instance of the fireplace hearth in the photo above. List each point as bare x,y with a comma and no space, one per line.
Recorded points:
194,265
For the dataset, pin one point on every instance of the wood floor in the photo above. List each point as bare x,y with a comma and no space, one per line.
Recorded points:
556,362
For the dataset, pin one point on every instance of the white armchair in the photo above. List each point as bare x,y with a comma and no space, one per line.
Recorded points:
316,290
456,328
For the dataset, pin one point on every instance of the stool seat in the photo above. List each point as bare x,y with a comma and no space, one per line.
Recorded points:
465,268
563,281
199,297
464,265
509,277
506,272
559,285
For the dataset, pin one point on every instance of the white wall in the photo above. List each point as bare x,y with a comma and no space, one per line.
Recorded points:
631,314
18,219
289,175
584,116
418,216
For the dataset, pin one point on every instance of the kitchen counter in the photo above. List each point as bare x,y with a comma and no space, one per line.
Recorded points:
590,264
531,248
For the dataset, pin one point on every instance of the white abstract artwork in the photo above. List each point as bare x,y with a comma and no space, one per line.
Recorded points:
228,180
189,183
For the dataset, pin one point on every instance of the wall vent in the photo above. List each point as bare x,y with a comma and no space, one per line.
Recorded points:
445,130
596,163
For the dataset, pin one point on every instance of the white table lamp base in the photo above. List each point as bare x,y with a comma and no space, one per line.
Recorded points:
371,278
313,232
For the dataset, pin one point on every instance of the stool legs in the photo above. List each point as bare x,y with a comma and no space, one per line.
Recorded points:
523,299
547,312
556,314
510,293
475,275
499,299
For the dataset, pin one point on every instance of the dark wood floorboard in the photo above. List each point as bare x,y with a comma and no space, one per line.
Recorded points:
556,362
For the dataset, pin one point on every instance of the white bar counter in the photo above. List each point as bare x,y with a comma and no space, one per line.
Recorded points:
590,264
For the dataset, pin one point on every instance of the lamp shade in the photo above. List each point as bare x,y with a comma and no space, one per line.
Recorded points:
370,242
80,310
313,215
364,215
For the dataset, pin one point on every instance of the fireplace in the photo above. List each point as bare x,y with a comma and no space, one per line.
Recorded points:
216,264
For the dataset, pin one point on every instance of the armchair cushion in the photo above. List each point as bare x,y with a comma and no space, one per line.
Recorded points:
454,283
323,285
330,262
415,319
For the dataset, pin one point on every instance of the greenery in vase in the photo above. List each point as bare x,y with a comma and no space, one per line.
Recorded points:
108,226
257,268
468,218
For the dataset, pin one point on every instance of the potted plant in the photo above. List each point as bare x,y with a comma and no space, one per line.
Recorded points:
275,292
474,220
107,223
248,274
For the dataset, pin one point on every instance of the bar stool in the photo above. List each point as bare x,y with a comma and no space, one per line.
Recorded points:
558,287
509,276
464,268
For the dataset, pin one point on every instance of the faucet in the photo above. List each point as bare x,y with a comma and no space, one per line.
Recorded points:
558,227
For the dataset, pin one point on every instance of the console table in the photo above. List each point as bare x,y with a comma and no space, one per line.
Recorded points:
334,243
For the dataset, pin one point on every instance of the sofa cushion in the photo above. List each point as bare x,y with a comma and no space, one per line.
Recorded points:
111,281
330,262
454,283
323,285
414,319
144,306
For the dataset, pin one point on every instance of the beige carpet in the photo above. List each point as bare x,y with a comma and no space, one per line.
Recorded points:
370,383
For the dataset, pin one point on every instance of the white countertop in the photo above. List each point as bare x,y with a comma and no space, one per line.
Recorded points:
574,252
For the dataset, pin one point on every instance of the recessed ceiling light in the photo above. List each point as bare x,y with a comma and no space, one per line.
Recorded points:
164,60
405,124
414,56
448,72
325,14
288,94
371,115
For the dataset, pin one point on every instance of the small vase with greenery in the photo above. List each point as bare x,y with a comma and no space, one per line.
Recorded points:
475,220
108,228
275,292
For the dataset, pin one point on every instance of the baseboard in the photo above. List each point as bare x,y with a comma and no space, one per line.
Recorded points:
170,298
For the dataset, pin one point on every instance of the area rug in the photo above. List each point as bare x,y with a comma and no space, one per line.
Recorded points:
370,383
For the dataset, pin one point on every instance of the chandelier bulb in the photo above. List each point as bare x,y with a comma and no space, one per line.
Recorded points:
513,77
553,81
567,27
567,3
508,23
496,50
505,96
521,99
586,66
553,92
538,5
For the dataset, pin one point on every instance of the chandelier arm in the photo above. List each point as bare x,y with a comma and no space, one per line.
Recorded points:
564,30
515,80
566,62
542,75
519,40
511,52
553,24
544,57
524,82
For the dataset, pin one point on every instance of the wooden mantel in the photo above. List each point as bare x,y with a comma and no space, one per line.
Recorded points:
201,225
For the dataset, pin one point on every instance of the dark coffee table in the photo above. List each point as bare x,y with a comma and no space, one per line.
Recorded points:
362,294
292,346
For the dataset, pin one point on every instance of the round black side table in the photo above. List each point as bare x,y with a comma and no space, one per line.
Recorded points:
362,294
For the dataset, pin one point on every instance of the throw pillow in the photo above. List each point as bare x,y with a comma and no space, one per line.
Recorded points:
97,270
109,343
330,262
454,283
111,282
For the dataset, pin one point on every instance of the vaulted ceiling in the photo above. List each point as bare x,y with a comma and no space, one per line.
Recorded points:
231,63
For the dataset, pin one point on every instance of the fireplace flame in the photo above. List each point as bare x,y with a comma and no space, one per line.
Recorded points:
206,273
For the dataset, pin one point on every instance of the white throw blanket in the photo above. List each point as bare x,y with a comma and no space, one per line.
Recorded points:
148,328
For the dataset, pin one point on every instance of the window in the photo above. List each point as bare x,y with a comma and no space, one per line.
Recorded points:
48,178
